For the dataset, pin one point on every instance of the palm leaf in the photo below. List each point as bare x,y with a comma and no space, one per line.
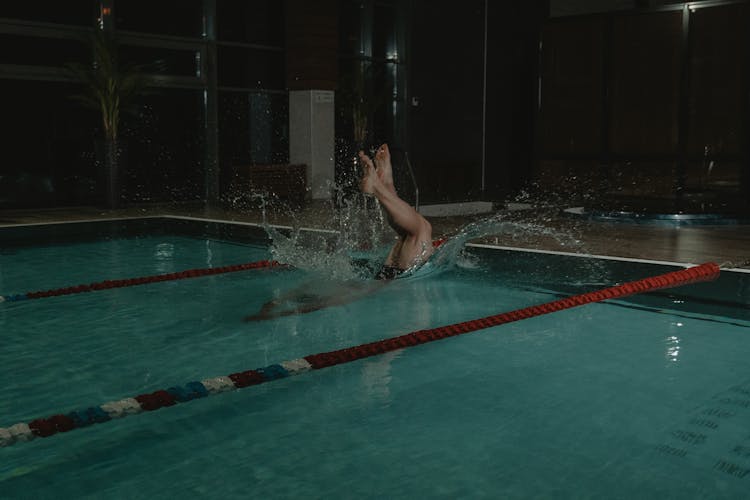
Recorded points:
109,87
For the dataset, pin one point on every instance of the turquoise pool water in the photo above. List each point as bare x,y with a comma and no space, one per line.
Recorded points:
642,398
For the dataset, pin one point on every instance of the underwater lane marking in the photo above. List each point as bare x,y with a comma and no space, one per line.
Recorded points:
709,435
732,468
60,423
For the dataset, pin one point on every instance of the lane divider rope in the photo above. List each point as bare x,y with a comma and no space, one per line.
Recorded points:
190,273
120,283
49,426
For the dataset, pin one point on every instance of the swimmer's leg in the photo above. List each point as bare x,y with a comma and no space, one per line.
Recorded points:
414,230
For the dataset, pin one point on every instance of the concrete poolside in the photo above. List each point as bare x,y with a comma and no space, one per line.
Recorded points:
725,244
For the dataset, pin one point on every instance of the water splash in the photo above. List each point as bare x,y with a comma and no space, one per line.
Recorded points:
340,264
360,238
503,231
349,252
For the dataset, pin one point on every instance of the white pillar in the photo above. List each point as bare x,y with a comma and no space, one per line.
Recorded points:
311,138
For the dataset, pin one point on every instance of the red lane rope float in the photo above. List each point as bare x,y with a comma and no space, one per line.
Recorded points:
704,272
45,427
108,284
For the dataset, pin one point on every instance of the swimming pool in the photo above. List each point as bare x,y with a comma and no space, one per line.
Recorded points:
647,396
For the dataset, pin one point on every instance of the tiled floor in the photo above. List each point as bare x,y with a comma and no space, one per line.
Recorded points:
727,245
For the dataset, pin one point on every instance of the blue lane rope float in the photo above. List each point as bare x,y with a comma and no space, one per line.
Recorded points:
144,280
77,419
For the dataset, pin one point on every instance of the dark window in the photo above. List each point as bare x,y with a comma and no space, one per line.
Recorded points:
645,108
240,67
53,152
571,107
253,128
48,147
165,17
385,76
75,12
718,81
384,32
160,60
35,51
163,147
250,21
350,28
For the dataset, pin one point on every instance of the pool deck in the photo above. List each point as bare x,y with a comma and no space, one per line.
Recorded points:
726,244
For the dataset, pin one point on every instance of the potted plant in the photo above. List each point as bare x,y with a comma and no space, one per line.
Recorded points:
110,88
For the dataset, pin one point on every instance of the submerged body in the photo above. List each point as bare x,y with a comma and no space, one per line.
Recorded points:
309,298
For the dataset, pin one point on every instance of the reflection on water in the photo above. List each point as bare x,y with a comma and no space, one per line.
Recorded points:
672,347
164,257
376,377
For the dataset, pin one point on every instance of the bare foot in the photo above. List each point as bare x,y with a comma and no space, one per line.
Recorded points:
383,166
369,175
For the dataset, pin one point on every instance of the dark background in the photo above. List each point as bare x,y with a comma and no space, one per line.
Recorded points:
639,105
